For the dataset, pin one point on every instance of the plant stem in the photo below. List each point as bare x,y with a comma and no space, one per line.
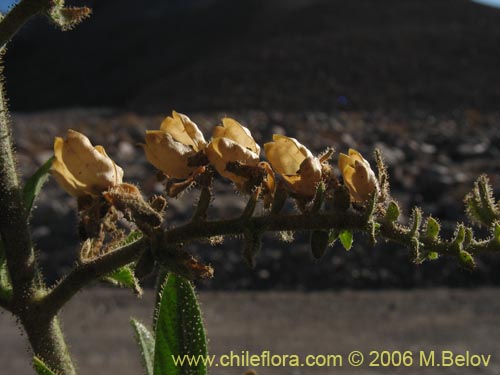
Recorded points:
18,16
14,228
47,342
86,273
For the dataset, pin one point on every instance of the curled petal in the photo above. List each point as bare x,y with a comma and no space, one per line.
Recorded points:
183,130
286,154
236,132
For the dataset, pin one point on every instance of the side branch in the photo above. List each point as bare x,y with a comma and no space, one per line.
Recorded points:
196,230
86,273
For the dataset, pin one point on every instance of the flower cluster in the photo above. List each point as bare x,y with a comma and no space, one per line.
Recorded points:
180,151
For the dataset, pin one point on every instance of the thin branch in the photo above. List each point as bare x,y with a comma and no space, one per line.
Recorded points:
195,230
18,16
86,273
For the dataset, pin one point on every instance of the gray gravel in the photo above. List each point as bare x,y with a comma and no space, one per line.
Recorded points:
98,330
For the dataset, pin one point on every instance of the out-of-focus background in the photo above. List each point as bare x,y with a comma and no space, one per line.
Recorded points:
419,80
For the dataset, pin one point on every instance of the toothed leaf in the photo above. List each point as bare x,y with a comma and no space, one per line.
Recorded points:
124,277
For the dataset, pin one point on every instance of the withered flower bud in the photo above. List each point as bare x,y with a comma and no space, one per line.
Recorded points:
170,148
300,170
359,178
232,142
82,169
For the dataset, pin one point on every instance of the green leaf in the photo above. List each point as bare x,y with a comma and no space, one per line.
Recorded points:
146,342
41,368
432,255
179,330
496,232
432,228
35,183
132,237
124,277
392,213
346,239
466,260
5,285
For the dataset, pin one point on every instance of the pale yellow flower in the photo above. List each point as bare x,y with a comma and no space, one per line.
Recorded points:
359,178
300,169
82,169
232,142
169,148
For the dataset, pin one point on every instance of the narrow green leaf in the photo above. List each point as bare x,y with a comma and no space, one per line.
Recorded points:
346,239
146,342
124,277
179,330
35,183
41,368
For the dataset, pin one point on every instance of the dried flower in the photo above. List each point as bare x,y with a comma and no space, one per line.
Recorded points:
82,169
170,148
358,176
232,142
300,170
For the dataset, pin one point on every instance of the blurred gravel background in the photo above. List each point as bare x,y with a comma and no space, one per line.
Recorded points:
418,79
432,160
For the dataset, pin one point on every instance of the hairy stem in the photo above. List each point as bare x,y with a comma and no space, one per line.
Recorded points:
44,334
47,342
14,228
195,230
89,272
18,16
